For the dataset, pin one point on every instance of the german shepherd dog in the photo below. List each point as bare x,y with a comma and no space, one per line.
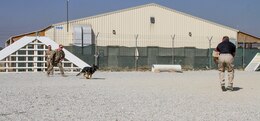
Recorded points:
88,71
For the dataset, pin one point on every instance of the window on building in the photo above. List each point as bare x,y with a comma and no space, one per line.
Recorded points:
114,32
190,34
152,20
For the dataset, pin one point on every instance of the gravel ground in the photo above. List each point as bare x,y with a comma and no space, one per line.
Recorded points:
124,96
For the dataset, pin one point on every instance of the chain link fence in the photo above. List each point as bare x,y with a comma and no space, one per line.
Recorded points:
137,51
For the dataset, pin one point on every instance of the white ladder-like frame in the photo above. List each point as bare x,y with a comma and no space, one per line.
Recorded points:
28,55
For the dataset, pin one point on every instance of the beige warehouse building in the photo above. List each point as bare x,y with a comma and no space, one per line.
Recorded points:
154,25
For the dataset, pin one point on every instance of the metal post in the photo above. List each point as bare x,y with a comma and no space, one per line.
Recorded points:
37,33
67,15
173,37
210,51
82,42
54,33
243,53
96,50
136,53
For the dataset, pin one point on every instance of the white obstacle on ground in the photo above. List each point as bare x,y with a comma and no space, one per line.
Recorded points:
254,64
168,68
34,48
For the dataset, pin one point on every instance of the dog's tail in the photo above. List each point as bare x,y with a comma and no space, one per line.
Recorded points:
78,74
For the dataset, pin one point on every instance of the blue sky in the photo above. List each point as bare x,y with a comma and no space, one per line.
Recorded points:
22,16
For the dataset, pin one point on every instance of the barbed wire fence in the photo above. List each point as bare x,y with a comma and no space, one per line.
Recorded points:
143,50
135,50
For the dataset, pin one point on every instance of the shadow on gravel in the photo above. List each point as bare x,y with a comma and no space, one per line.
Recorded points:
94,78
98,78
237,88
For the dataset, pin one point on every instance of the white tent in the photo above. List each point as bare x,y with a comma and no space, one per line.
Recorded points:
12,58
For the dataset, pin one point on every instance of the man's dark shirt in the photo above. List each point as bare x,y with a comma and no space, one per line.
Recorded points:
226,47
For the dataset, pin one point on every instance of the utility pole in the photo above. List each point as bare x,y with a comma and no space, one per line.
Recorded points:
67,15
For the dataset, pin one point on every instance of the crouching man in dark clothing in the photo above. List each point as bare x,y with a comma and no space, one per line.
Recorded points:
227,52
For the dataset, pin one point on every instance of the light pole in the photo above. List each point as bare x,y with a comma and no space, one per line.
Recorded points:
67,15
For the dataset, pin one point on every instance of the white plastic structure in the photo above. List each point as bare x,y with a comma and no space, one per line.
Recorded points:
169,68
254,64
28,55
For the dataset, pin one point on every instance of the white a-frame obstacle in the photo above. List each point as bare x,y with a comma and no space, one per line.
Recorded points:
254,64
28,55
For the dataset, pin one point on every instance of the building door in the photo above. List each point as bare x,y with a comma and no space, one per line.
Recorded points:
152,53
190,53
113,52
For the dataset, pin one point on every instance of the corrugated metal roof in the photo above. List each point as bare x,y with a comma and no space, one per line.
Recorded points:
141,6
249,35
45,40
25,34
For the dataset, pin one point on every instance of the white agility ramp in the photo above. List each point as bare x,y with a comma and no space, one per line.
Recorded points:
14,47
68,55
28,53
254,64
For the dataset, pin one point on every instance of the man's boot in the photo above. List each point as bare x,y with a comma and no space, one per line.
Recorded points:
230,87
223,87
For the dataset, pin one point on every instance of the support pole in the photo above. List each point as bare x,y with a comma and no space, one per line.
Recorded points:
243,51
173,37
96,50
82,42
136,53
210,54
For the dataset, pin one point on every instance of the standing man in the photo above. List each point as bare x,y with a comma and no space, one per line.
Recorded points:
227,52
59,56
49,59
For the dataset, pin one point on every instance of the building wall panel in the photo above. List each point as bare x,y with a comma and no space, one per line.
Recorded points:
131,22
